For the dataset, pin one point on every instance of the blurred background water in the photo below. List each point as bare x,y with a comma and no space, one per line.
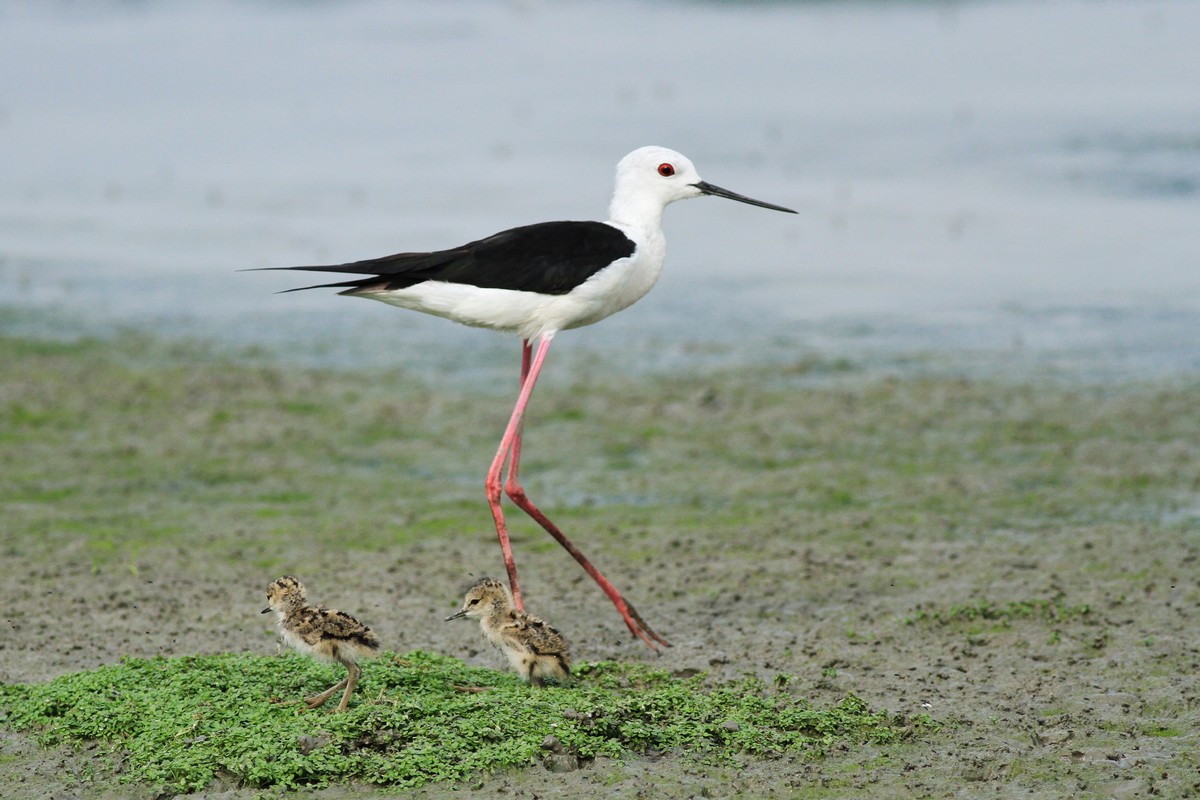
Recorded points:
993,185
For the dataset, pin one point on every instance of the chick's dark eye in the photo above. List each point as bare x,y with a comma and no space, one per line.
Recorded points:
666,170
474,602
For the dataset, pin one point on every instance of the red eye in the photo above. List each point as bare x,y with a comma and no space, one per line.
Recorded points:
666,170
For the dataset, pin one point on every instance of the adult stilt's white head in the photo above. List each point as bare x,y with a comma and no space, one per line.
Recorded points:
650,178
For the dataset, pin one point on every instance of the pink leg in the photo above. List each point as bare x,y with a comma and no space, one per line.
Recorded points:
514,463
513,488
514,456
492,483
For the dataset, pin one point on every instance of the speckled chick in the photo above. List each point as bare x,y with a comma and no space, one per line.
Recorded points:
535,649
323,633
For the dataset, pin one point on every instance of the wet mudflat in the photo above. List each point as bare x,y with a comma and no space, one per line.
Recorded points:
1015,559
889,503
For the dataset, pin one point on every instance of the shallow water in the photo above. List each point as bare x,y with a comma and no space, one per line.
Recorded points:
1003,185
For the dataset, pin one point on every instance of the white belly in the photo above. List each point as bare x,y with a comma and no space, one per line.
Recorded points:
531,315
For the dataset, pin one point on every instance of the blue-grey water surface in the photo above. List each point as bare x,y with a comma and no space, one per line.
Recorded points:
1004,185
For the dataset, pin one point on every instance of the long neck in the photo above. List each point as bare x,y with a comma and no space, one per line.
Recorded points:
636,210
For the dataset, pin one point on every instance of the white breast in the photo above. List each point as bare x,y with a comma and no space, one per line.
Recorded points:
293,640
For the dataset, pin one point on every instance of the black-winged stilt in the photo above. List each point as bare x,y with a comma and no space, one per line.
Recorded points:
535,649
535,281
323,633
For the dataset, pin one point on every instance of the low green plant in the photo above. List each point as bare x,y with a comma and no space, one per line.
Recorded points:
178,723
1000,613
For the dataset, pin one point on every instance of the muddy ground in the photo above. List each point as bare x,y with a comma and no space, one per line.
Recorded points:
1016,560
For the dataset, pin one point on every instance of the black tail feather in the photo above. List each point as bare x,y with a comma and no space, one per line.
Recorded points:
355,284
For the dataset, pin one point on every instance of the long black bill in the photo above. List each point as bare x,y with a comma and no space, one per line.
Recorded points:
716,191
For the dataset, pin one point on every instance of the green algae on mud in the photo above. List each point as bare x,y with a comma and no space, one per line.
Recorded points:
175,724
133,443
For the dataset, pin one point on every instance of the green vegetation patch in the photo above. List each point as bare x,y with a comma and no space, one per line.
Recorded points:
180,723
1000,613
103,441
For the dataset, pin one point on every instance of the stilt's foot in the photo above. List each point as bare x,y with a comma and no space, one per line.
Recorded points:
316,701
639,628
353,673
346,697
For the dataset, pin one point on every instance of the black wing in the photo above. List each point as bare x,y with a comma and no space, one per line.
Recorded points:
549,258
